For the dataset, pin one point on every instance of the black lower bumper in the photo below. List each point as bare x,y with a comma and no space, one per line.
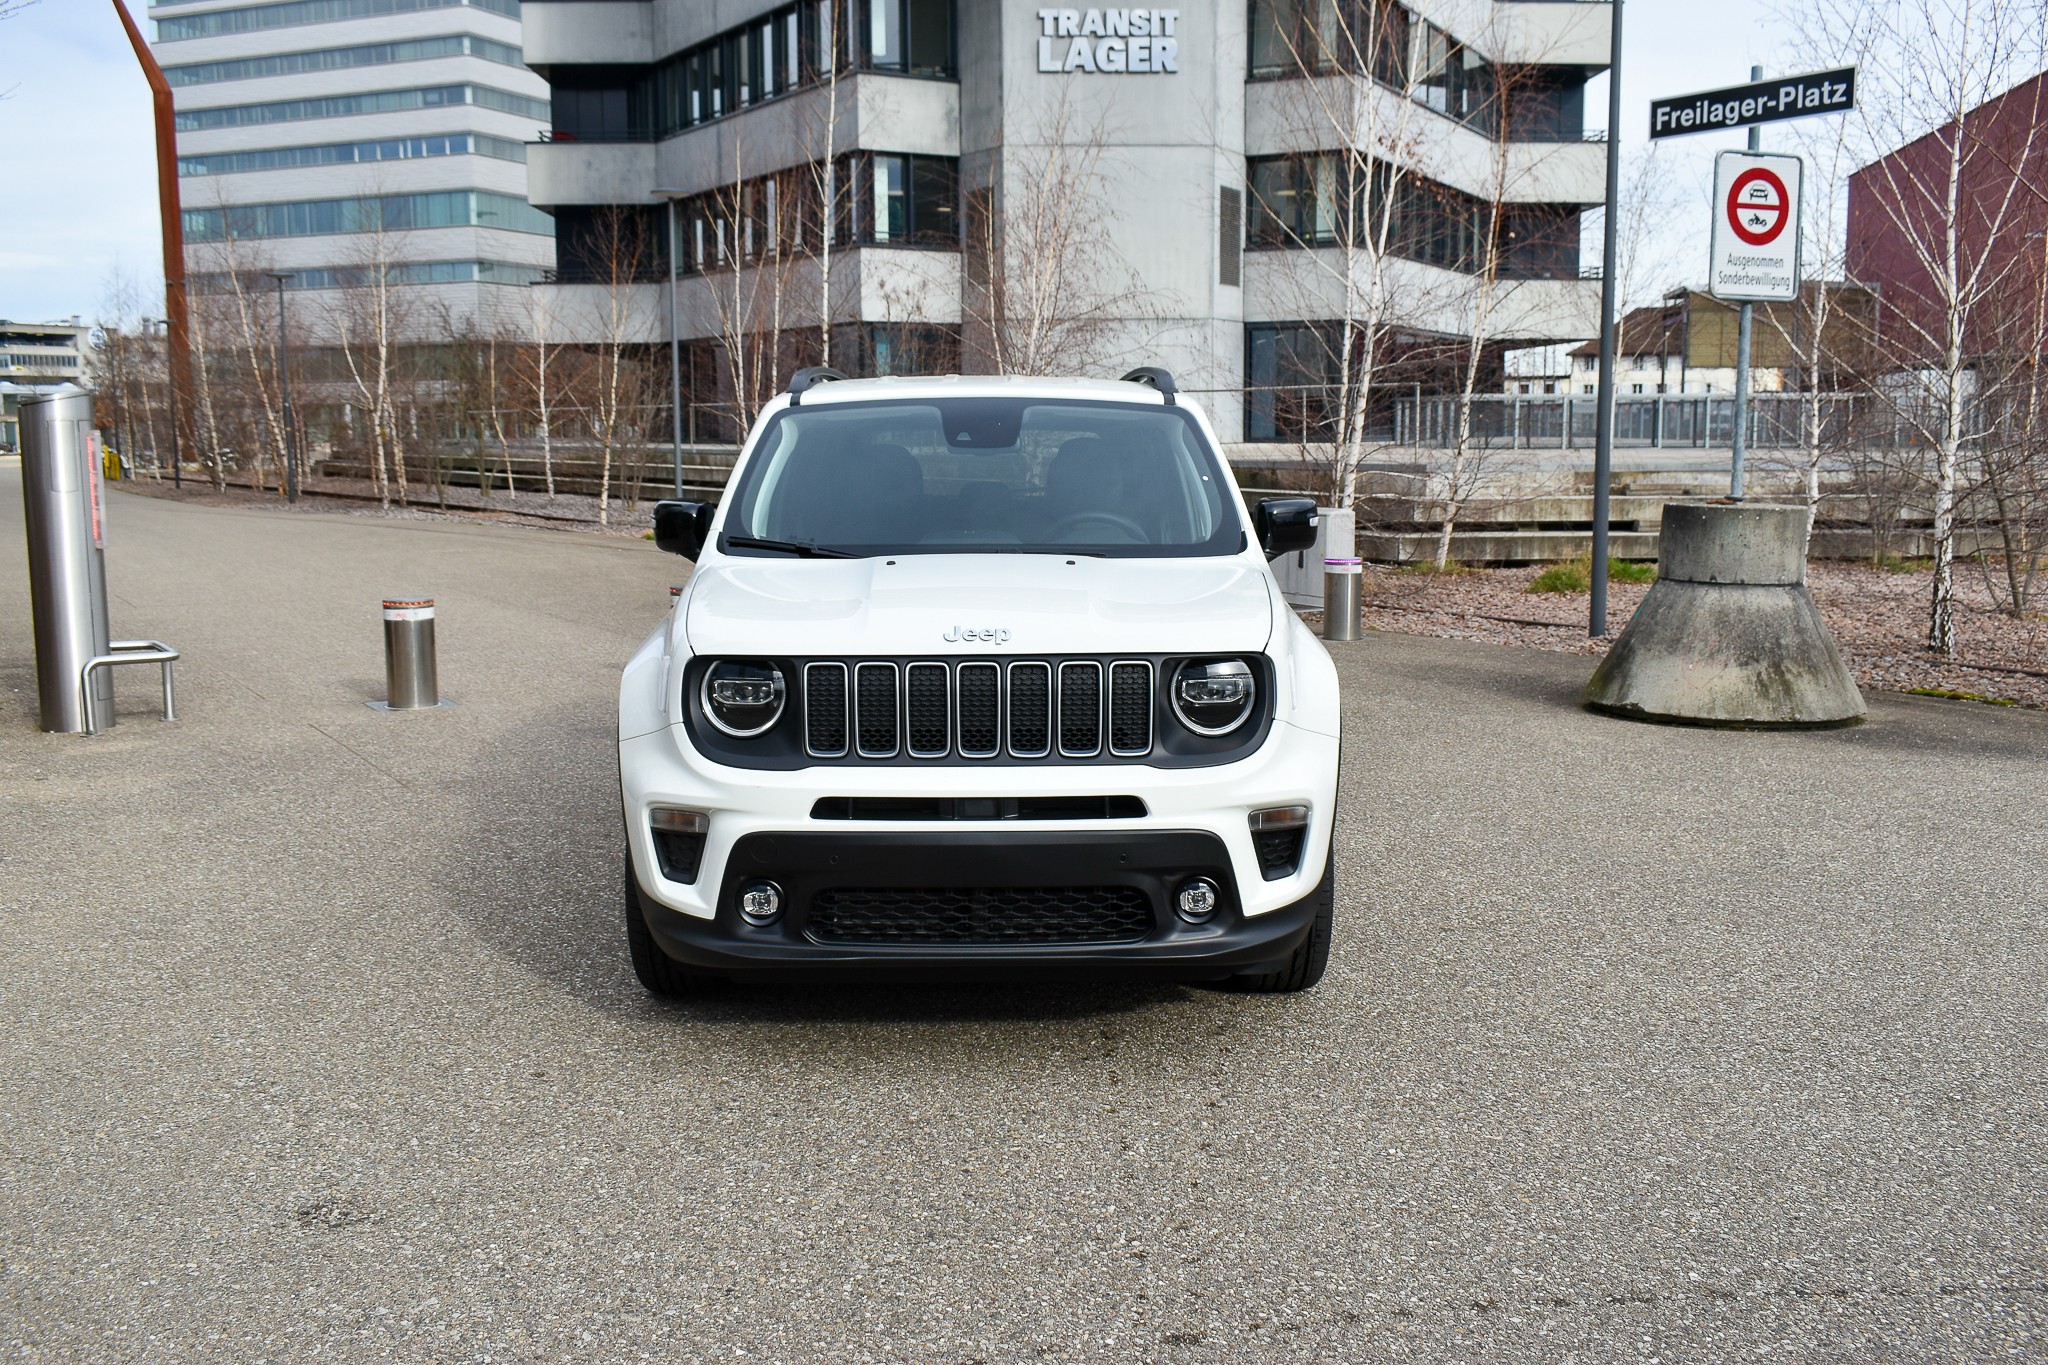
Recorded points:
809,868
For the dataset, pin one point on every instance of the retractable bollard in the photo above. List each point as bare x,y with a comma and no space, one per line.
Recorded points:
67,569
412,679
1341,579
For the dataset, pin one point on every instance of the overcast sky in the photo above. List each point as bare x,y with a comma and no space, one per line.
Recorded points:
77,176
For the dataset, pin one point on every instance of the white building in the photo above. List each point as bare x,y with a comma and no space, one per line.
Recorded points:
35,358
315,136
1199,163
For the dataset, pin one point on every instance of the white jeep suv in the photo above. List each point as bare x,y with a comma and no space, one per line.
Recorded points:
973,674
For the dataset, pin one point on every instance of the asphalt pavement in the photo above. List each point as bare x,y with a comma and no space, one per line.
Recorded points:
1638,1042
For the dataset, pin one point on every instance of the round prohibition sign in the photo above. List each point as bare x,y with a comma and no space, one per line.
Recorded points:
1758,206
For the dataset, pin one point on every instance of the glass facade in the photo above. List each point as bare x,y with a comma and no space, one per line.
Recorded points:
386,213
1383,39
406,272
352,153
345,58
258,17
785,50
344,106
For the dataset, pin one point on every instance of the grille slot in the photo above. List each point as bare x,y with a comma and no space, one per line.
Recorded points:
1080,709
1130,708
825,710
927,728
977,690
875,724
1030,710
989,915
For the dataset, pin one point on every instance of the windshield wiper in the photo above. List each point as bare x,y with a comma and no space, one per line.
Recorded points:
803,549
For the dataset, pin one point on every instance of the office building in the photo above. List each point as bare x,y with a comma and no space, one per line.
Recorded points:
1005,185
327,137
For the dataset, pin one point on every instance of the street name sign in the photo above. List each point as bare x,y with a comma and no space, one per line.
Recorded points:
1756,228
1739,106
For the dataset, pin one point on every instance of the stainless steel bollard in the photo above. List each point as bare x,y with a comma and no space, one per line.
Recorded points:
67,566
1341,579
412,680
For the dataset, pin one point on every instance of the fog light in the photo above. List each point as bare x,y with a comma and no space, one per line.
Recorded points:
1197,901
761,903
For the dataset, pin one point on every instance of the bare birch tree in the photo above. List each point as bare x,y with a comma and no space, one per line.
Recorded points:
372,322
1045,283
1348,88
1952,201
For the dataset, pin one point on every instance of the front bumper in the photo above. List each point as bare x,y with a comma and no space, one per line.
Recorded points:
1292,767
1145,866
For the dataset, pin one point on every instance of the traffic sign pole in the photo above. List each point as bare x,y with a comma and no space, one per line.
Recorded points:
1743,329
1603,440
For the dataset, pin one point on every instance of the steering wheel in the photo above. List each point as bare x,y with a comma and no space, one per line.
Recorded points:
1125,524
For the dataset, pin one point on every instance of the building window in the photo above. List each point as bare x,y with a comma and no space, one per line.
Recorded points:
1453,79
913,200
388,213
345,106
259,17
790,48
1315,37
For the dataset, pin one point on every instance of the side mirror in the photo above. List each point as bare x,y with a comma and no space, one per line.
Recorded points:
1285,525
681,528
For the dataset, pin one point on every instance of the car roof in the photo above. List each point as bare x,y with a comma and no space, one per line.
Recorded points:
902,387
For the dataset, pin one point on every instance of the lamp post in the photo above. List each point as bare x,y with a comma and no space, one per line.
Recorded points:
284,379
675,352
1603,438
171,402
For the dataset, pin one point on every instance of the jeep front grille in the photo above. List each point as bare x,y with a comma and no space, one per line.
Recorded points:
978,708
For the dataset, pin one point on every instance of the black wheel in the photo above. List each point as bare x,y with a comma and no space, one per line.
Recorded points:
1305,968
658,972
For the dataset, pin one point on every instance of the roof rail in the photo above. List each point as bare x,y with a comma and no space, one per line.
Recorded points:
809,378
1157,378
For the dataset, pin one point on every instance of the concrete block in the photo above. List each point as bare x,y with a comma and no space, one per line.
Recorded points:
1728,634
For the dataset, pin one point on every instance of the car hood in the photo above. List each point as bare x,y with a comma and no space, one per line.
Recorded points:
1048,604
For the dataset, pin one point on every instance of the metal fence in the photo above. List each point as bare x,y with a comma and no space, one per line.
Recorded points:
1698,420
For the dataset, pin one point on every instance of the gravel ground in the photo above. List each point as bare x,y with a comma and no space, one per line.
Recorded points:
1879,619
1639,1042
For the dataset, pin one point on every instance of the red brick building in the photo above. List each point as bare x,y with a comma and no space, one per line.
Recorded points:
1897,208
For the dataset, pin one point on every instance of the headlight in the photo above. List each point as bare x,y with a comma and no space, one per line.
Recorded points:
1212,697
743,699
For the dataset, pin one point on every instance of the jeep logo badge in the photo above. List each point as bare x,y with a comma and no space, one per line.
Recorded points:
960,634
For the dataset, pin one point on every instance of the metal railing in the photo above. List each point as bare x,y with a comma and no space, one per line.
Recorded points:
1655,421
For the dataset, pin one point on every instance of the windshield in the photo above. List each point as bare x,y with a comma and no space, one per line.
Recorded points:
975,475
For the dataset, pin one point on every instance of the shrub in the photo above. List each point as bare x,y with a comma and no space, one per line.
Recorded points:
1576,575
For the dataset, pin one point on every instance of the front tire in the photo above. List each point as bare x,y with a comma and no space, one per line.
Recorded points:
1305,968
661,974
